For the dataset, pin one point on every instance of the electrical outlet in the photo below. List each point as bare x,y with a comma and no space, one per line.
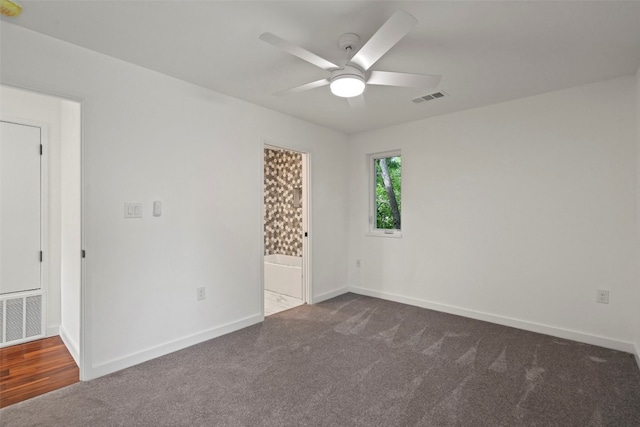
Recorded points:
602,296
201,293
358,263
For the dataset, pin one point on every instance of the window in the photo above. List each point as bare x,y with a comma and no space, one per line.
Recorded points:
386,194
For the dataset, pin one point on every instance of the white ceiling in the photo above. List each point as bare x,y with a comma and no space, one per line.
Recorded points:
487,52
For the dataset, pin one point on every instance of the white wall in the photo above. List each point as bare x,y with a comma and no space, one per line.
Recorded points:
70,225
23,105
150,137
514,213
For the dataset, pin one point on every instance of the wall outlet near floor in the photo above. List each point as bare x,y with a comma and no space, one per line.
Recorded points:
602,296
201,293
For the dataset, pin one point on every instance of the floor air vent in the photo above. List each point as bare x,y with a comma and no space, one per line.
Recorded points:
429,97
20,318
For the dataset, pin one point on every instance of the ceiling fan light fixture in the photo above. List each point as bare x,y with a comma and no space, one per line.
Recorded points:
350,80
347,82
347,86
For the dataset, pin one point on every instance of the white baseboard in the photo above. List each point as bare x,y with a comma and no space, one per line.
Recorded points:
168,347
72,346
505,321
329,295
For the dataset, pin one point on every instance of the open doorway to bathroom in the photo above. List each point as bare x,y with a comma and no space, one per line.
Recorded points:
286,237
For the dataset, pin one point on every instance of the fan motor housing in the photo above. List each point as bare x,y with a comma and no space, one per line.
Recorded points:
347,70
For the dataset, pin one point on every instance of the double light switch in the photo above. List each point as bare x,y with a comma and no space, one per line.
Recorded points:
133,210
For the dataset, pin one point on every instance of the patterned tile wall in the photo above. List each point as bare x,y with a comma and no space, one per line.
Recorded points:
282,218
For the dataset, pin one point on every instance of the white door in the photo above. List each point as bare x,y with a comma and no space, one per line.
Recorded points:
20,210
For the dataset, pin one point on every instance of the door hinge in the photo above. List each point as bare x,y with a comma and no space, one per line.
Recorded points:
40,256
84,254
41,149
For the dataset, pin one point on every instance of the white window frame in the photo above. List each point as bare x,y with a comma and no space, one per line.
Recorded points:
371,182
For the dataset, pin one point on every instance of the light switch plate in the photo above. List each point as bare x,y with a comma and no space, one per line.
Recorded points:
157,208
133,210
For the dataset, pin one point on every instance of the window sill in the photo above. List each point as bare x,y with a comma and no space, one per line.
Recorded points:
393,235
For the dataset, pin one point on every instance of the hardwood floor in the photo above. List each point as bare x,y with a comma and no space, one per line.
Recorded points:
34,368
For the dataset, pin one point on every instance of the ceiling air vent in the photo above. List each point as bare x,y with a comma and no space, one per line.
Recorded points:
429,97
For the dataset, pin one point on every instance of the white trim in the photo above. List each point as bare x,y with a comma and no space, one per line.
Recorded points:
71,345
393,234
502,320
85,320
280,145
329,295
28,87
263,145
52,331
306,228
168,347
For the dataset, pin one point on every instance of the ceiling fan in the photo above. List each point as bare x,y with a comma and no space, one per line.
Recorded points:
350,79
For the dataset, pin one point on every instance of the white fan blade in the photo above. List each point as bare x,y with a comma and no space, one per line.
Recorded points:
356,102
384,39
302,88
389,78
296,50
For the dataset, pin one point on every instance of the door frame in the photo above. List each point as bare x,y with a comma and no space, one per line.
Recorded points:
307,282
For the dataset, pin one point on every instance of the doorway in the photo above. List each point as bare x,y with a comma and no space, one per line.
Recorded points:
286,203
43,205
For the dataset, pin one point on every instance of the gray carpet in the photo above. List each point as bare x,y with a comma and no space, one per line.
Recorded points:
358,361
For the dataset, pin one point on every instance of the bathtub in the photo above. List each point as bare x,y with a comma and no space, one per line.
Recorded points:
283,274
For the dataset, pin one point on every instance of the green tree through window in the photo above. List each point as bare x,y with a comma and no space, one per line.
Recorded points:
388,200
